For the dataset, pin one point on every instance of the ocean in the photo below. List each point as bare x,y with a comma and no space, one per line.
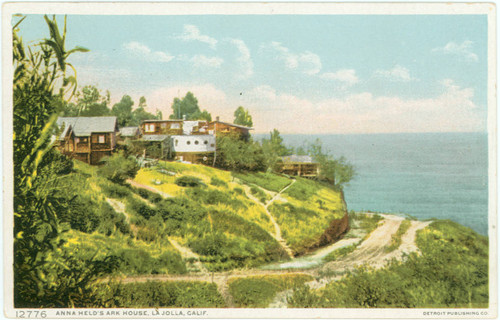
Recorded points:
425,175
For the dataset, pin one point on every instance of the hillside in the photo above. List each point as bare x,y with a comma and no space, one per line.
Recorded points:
177,218
202,237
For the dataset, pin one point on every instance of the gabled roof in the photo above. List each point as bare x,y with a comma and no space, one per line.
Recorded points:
84,126
296,158
129,131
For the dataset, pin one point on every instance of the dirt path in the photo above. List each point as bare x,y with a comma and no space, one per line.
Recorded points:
277,229
152,189
189,255
119,206
370,252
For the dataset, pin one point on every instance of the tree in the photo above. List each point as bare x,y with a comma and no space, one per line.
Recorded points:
336,171
188,107
123,111
273,149
242,117
140,114
239,155
91,103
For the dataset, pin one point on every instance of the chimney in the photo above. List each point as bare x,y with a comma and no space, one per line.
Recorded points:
217,118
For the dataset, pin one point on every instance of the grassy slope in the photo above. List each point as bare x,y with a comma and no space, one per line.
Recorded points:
451,271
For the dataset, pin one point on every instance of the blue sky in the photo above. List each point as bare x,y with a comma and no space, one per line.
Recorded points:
296,73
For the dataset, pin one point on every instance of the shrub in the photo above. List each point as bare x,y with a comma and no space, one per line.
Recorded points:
82,214
218,182
189,181
117,168
115,190
259,291
160,294
173,262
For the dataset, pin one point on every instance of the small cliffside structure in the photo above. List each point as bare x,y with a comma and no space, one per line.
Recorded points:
302,166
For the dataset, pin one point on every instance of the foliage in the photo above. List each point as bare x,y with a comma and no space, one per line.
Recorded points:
140,114
242,117
117,168
273,149
160,294
45,275
115,190
189,181
268,180
214,181
188,107
396,238
303,189
261,195
90,103
451,271
336,171
123,111
236,154
259,291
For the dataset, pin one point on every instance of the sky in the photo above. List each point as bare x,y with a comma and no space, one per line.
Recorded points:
307,74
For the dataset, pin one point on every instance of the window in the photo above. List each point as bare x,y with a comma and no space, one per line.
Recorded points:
163,125
102,139
77,140
212,145
150,128
175,126
176,142
196,142
205,142
188,142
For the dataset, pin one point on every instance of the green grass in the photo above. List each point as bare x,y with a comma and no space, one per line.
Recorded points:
259,194
259,291
303,189
151,294
451,271
396,238
268,181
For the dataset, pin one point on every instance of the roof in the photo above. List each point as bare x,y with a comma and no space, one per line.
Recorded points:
155,137
232,125
296,158
168,120
129,131
84,126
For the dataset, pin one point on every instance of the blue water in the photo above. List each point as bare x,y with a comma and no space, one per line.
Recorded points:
426,175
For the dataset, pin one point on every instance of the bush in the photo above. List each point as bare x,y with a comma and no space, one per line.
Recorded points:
189,181
115,190
259,291
160,294
117,168
173,262
218,182
82,214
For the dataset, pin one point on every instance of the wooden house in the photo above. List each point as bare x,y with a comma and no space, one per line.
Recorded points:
173,127
87,139
302,166
218,127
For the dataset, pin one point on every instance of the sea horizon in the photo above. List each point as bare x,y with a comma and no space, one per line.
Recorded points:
442,175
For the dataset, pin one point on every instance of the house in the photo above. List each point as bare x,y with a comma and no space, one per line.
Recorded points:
218,127
174,127
87,139
302,166
194,148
